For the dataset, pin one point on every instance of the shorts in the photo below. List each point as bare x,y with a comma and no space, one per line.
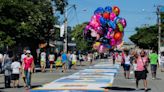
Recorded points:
162,65
81,60
126,67
73,62
90,60
51,62
140,75
42,63
15,76
57,64
153,67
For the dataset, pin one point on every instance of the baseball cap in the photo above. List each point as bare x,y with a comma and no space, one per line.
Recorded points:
28,51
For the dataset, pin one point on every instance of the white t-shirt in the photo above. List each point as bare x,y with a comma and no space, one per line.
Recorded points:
43,56
15,66
22,57
1,57
74,57
162,59
51,57
127,60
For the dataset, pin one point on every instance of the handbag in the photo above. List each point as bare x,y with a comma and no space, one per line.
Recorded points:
145,68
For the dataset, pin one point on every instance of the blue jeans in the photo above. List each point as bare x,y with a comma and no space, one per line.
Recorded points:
28,77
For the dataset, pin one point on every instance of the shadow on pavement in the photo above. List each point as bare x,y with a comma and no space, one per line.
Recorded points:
34,86
124,89
120,88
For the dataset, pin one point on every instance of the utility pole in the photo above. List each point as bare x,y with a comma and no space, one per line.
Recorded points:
159,28
65,31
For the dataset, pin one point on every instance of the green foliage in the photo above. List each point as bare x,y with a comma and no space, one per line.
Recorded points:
147,37
81,43
23,19
60,5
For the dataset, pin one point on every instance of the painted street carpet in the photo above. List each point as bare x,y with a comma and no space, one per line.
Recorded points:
93,79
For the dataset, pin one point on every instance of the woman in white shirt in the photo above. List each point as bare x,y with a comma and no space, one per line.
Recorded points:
127,65
15,66
51,58
162,62
74,60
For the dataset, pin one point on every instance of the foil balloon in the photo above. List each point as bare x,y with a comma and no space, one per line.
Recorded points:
117,35
116,10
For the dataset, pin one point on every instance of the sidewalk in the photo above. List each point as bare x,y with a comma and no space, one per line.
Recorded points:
128,85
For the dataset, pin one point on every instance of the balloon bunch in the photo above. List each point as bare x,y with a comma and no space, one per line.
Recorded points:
105,29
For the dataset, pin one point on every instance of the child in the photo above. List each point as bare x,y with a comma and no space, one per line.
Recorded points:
15,66
58,63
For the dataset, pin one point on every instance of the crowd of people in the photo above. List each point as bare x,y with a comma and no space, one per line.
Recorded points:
16,67
138,62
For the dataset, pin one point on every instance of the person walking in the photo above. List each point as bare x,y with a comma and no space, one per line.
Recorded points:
58,63
153,57
28,65
74,60
16,67
22,73
141,69
80,58
1,60
64,61
51,58
162,62
6,67
43,60
113,57
90,58
69,55
127,65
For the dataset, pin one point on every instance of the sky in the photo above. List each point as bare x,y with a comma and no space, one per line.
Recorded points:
136,12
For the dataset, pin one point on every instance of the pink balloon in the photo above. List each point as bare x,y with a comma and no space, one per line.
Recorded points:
102,49
110,30
93,34
94,24
119,42
97,37
112,42
112,16
93,17
99,31
108,35
98,16
87,27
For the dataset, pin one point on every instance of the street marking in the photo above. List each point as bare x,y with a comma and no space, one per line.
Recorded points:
93,79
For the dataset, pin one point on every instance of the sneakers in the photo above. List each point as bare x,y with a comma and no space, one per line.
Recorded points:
153,78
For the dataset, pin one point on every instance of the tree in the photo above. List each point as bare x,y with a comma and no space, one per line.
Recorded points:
81,43
25,22
147,37
60,5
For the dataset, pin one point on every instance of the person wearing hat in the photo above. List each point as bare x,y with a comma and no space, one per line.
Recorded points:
28,65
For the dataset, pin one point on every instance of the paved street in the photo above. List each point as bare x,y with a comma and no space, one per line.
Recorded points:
120,84
39,78
128,85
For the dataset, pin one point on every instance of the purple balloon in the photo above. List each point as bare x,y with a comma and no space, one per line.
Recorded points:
123,22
